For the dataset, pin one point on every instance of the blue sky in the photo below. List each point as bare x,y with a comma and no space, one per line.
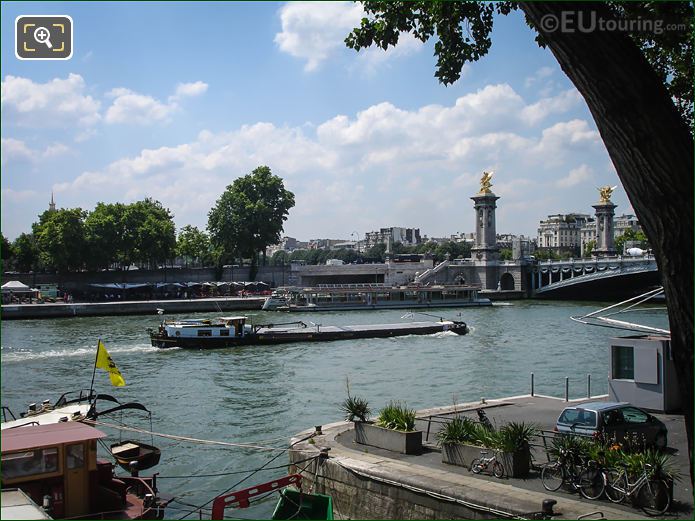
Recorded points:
175,100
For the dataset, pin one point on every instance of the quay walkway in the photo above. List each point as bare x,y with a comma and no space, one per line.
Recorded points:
129,307
371,483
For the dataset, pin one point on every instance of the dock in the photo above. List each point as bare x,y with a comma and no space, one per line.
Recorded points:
128,307
371,483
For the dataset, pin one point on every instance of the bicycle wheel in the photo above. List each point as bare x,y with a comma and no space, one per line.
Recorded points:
497,469
616,485
552,476
654,497
591,483
476,466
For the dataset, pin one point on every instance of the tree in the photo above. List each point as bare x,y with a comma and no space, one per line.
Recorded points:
7,253
105,235
629,82
589,247
630,235
280,258
60,239
149,233
378,251
193,244
26,252
248,217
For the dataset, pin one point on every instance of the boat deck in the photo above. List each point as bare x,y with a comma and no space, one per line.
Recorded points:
363,328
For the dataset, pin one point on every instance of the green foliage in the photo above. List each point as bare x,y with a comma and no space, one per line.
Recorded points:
104,235
60,239
397,416
546,254
355,407
150,233
377,251
280,258
7,253
631,235
506,254
589,247
457,430
515,436
463,29
26,252
193,244
249,215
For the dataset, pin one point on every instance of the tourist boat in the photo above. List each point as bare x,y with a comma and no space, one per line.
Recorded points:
355,297
56,465
234,331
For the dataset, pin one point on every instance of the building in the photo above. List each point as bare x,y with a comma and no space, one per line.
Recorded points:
625,222
390,236
560,232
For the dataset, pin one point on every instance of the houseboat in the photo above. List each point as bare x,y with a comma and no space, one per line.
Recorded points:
56,465
355,297
234,331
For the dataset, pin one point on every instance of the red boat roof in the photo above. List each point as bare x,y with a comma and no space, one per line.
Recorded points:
24,438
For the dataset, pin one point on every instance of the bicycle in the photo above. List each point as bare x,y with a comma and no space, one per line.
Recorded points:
483,463
652,494
586,477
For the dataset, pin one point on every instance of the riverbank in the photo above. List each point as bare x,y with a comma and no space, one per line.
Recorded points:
371,483
128,307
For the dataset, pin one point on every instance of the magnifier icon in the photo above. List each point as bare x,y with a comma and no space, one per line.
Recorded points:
43,35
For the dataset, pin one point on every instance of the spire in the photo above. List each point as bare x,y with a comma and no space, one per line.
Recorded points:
52,206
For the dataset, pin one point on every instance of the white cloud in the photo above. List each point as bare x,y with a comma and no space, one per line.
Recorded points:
56,103
559,104
190,89
55,150
539,75
370,60
314,30
14,149
581,174
131,107
385,163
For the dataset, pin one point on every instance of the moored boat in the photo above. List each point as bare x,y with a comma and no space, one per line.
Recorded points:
56,465
234,331
355,297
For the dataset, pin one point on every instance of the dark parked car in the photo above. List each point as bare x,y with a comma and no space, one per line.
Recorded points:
612,420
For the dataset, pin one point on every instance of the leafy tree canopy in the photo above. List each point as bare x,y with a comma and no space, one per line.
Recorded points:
60,238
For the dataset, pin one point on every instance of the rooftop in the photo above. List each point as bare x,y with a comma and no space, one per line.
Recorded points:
29,437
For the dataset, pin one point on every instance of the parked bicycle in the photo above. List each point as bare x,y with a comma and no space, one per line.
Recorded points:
652,494
573,470
484,463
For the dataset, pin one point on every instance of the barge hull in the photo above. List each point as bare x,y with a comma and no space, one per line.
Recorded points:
269,336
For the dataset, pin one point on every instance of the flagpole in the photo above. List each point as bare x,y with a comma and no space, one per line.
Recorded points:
94,372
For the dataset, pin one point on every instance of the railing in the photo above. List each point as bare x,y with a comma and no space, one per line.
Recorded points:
567,386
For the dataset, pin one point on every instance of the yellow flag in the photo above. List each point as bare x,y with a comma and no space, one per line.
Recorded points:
105,362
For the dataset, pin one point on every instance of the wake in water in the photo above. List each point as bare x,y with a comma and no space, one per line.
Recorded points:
22,354
439,334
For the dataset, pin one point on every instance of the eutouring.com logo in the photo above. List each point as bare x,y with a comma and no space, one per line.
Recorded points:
583,22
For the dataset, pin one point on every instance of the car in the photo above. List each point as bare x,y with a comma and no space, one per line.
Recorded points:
612,420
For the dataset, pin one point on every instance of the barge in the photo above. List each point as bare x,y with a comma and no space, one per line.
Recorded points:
234,331
355,297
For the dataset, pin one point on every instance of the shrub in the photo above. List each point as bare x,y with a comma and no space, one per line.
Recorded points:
397,416
355,407
515,436
457,430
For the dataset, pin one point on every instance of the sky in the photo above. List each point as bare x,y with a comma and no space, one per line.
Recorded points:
175,100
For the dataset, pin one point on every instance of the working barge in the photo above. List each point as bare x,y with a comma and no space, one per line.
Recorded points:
234,331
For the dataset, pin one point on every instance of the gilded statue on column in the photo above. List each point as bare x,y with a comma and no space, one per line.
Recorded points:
486,183
606,192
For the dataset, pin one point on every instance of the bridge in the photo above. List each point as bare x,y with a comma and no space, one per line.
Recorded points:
607,276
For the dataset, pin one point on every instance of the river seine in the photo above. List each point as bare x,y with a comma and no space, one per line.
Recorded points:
264,395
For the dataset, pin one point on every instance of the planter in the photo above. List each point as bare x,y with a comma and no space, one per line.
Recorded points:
367,433
516,464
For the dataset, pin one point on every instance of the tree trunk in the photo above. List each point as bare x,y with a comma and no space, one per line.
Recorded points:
652,150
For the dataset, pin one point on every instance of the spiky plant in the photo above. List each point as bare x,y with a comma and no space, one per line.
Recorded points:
355,407
397,416
457,430
516,436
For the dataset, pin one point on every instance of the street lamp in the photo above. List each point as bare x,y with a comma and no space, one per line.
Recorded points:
358,240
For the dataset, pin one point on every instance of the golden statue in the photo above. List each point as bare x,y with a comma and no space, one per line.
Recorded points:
606,192
486,183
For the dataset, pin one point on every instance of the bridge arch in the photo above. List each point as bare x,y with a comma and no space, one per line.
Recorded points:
507,282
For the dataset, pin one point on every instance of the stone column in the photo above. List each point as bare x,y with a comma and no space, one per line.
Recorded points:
485,253
605,211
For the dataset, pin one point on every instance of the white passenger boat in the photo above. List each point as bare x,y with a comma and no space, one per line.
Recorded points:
355,297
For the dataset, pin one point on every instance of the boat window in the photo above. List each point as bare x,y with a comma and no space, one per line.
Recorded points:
204,332
29,463
75,456
224,332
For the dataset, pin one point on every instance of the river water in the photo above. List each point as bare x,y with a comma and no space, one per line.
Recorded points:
264,395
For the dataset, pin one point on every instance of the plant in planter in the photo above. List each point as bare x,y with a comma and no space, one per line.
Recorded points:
514,441
355,408
393,430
